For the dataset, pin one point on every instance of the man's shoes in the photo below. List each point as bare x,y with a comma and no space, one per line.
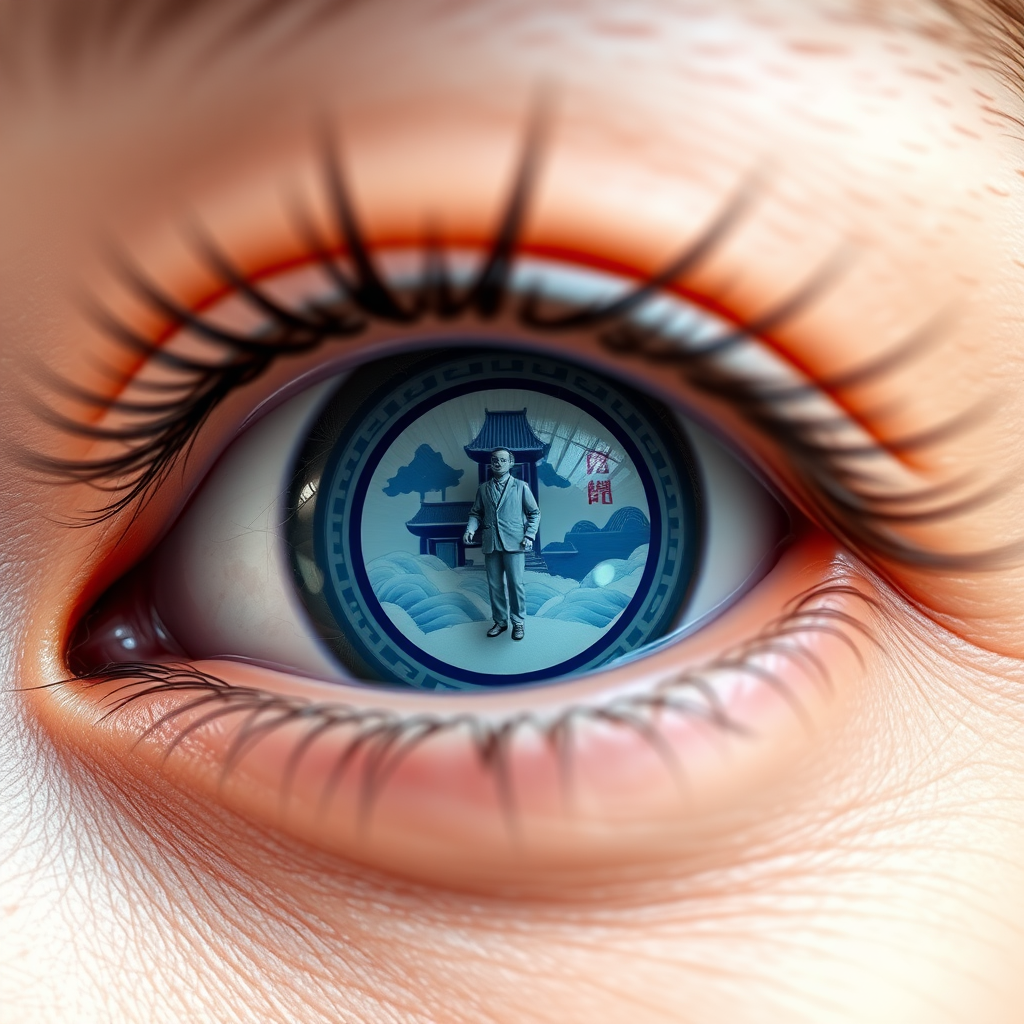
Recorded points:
518,632
497,630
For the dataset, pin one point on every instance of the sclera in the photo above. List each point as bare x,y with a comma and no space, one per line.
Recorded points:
226,588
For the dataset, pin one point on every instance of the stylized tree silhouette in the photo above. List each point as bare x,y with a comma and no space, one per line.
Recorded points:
547,475
427,472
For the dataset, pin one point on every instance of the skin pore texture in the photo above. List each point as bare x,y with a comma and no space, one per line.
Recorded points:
853,852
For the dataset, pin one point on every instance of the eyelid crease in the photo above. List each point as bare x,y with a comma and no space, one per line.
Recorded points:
158,435
384,737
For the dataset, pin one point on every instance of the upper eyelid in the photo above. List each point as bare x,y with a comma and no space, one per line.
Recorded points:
366,291
364,294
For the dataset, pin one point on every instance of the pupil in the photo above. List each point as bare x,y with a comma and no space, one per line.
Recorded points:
586,555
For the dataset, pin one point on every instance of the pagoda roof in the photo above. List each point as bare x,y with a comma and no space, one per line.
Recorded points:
506,429
436,513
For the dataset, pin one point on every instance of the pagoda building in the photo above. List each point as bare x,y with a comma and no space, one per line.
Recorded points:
439,525
510,429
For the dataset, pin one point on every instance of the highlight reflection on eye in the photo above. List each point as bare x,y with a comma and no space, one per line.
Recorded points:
352,562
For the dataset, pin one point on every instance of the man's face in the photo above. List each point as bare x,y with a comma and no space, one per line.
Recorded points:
501,462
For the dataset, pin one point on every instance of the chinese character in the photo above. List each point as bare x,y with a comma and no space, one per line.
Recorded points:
597,462
599,492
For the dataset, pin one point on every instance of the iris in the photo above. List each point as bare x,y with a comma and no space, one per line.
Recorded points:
382,495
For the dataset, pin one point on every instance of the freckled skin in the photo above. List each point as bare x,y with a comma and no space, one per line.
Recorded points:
861,867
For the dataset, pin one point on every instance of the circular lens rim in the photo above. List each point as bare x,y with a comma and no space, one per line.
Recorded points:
383,378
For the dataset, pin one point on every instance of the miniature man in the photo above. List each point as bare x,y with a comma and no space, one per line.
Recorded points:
508,513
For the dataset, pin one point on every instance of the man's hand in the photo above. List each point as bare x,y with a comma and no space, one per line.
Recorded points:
527,544
467,537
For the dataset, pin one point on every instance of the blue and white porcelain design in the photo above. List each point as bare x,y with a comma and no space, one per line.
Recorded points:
619,539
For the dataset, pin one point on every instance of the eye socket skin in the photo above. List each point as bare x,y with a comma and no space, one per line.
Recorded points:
505,781
853,855
579,784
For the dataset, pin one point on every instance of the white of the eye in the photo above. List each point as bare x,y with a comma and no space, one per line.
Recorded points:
226,587
224,584
742,523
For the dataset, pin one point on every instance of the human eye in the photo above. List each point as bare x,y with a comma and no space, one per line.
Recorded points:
577,768
651,527
595,706
649,532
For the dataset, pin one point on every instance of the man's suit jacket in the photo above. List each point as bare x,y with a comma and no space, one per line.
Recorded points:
511,522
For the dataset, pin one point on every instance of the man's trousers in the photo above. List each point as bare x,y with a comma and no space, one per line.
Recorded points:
510,566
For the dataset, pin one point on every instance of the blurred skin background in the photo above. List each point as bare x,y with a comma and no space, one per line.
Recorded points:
859,861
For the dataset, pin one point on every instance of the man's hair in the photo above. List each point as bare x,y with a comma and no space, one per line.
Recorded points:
511,457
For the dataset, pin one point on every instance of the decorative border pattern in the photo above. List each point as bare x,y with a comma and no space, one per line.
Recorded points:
662,460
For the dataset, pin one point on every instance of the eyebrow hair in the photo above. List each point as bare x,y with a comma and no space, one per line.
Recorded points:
69,34
998,27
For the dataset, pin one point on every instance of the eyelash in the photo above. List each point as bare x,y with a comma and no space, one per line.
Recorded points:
386,737
166,418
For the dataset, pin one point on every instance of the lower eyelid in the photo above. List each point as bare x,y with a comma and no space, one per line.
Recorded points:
484,794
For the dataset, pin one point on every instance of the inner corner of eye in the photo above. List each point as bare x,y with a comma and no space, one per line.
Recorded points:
461,520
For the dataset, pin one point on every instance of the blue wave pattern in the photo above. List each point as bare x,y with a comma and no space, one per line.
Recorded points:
437,597
594,607
401,579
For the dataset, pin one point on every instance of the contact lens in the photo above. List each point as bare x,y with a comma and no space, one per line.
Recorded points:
398,465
